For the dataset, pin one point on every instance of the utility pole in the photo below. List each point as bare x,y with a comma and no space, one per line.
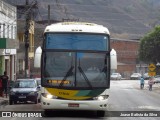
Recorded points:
48,14
27,27
27,40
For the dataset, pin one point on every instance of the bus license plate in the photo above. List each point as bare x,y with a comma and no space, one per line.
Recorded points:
73,105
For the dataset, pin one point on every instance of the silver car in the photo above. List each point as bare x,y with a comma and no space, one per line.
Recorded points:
116,76
157,79
24,90
135,76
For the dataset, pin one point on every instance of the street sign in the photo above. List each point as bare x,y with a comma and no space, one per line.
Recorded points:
152,73
151,67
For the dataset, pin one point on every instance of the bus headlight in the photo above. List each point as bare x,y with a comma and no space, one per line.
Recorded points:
49,96
102,97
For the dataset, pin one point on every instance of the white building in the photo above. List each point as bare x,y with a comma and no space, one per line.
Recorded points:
8,39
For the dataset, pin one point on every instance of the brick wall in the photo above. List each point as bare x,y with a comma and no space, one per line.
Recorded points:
127,54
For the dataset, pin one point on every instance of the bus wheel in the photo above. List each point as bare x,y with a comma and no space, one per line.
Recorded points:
47,113
15,102
100,113
39,100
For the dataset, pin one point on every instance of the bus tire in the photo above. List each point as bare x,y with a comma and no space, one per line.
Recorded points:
15,102
47,113
100,113
39,100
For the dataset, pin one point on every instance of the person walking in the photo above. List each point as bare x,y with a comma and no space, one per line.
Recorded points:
4,79
150,83
141,82
1,90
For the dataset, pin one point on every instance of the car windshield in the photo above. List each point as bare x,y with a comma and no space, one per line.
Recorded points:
114,73
24,84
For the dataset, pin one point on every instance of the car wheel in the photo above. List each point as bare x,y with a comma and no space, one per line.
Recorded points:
10,102
36,101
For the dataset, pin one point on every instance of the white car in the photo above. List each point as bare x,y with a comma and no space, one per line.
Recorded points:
146,76
135,76
157,79
116,76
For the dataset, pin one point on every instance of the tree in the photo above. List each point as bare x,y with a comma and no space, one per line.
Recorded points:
150,46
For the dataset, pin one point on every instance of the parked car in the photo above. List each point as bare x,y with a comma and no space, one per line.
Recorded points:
135,76
157,79
116,76
146,76
24,90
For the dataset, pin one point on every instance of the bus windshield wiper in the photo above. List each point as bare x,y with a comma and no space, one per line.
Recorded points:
69,72
85,77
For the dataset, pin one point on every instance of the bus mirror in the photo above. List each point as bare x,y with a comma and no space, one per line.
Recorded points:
37,57
113,55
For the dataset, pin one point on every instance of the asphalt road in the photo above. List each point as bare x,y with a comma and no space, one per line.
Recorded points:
125,97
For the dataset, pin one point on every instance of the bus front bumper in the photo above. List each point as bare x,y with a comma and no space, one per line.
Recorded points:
58,104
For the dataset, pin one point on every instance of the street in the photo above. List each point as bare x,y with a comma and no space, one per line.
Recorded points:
125,95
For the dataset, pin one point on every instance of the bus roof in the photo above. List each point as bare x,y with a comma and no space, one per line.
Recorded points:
81,27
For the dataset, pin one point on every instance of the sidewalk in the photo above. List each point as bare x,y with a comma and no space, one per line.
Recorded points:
3,100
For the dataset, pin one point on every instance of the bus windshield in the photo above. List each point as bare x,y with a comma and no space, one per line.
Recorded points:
77,41
76,69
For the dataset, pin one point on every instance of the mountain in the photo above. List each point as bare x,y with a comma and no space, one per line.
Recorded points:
129,19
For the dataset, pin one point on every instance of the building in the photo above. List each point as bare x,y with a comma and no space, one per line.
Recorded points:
127,57
8,39
21,58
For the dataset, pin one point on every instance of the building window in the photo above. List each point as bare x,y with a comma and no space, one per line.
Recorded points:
4,30
12,32
8,30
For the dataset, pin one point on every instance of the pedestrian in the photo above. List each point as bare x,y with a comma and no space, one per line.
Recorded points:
4,79
150,83
141,82
1,91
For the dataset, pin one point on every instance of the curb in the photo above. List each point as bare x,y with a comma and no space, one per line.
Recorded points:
3,102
